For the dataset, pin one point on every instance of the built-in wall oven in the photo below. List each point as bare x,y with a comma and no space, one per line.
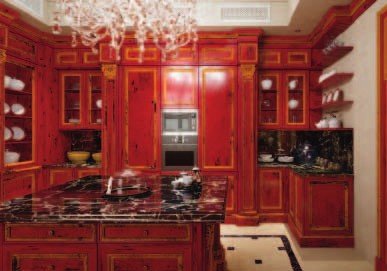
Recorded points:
179,139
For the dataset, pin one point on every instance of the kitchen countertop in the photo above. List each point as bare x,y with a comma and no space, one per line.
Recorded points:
305,171
70,165
82,200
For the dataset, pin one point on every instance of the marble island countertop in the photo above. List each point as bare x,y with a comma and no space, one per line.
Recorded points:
303,170
84,200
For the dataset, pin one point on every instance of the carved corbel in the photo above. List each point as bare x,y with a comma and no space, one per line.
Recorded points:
3,56
248,72
109,71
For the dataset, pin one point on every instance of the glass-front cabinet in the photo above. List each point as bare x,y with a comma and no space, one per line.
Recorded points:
283,99
296,109
19,116
81,100
269,99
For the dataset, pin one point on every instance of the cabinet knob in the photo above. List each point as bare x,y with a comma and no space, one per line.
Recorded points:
146,268
146,232
52,267
51,233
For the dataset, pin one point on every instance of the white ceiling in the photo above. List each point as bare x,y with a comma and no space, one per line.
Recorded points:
276,17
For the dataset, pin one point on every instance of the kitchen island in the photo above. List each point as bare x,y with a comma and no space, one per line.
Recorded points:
75,227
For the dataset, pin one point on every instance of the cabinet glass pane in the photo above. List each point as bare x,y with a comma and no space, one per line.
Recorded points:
72,99
18,109
295,86
95,104
269,89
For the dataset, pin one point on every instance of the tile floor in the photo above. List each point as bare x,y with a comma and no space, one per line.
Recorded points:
267,253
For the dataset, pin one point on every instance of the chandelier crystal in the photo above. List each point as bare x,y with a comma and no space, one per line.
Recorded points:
170,24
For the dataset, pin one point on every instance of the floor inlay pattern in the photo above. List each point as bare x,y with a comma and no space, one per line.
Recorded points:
259,252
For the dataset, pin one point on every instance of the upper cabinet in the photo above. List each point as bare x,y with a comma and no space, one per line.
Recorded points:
218,117
283,99
81,99
142,118
19,110
179,87
285,58
218,54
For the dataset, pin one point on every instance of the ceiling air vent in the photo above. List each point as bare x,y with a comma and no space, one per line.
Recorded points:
34,6
259,14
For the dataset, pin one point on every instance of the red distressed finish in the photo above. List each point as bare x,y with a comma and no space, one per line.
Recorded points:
142,117
213,54
321,210
179,87
272,190
218,117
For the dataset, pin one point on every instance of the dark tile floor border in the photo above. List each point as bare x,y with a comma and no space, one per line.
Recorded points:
292,257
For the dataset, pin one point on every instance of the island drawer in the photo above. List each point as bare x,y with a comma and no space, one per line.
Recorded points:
15,232
145,232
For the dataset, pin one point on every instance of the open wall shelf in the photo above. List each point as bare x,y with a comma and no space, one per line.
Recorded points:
335,80
333,56
333,105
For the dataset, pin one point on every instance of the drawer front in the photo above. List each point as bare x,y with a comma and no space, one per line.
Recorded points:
57,262
49,233
145,232
146,262
87,172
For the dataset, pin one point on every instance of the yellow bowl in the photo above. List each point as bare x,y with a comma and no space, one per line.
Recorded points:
97,156
78,157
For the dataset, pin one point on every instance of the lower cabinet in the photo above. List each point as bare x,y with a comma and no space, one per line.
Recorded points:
42,257
272,185
62,175
145,257
18,184
321,210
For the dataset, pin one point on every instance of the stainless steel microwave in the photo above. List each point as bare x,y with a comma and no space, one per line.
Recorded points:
180,121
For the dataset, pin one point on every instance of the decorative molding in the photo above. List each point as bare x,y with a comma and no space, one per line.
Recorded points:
109,71
248,72
3,56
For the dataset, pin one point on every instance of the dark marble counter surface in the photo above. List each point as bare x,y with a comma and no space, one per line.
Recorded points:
305,171
83,200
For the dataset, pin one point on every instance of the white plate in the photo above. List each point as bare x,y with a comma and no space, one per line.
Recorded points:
18,133
6,108
99,103
18,109
7,134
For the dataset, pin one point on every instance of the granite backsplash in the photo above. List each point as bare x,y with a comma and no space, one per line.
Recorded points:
336,146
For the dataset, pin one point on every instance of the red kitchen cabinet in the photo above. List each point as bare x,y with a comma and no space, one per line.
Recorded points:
231,195
58,257
152,257
67,57
179,87
142,117
63,175
321,210
283,99
81,100
218,117
272,190
218,54
285,58
18,184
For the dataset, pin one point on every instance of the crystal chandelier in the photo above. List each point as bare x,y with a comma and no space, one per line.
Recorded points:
170,24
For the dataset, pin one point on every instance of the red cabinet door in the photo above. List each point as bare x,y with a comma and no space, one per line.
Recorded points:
272,190
60,176
270,104
50,257
329,205
141,92
18,185
218,117
179,87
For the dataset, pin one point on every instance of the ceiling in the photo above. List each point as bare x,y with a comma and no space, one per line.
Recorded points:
275,17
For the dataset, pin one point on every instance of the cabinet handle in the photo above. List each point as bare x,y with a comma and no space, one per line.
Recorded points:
52,267
51,233
146,268
154,106
146,233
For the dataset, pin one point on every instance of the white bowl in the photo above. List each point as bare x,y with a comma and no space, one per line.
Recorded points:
286,159
265,156
7,81
293,104
99,103
18,133
266,84
266,160
17,84
7,134
293,84
6,108
11,157
18,109
98,120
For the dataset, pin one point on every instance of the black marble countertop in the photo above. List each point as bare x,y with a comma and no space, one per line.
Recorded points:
305,171
84,200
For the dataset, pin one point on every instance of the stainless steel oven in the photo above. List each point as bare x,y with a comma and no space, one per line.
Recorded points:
179,152
180,121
